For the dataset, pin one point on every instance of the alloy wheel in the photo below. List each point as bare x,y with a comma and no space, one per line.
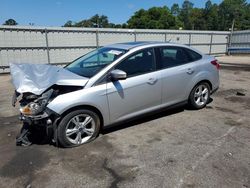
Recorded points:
201,95
80,129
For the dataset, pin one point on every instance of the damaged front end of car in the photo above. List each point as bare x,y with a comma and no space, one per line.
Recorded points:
39,122
34,106
34,114
35,87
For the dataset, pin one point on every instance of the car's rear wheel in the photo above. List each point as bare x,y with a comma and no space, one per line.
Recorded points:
199,96
78,127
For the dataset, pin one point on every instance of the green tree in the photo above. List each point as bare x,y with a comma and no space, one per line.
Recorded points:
230,10
196,19
175,9
208,6
211,16
10,22
154,18
185,12
69,24
138,20
83,23
245,22
124,25
100,21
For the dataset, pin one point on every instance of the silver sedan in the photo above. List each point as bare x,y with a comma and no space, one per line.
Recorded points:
112,84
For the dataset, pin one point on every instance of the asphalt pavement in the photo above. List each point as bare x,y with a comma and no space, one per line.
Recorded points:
174,148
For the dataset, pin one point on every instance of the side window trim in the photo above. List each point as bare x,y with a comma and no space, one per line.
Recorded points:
159,49
188,51
154,61
157,53
104,79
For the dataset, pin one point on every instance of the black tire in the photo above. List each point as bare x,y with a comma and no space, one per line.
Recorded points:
192,97
61,130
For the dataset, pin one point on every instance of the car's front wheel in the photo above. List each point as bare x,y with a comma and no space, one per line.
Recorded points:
78,127
199,96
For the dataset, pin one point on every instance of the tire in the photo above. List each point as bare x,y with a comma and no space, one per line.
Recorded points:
79,123
199,96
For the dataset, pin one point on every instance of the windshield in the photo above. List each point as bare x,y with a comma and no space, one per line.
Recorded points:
91,63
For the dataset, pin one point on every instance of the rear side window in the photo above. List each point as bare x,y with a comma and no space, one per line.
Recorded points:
173,56
194,56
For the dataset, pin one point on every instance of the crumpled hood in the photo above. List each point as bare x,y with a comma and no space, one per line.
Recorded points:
36,78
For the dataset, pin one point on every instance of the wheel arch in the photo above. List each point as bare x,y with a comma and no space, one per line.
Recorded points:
87,107
206,81
196,83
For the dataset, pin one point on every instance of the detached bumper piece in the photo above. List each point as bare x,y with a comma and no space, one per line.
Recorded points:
36,129
23,138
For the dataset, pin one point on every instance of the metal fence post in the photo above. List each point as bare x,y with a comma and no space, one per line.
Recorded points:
189,39
97,38
165,35
231,35
47,44
135,35
228,44
211,41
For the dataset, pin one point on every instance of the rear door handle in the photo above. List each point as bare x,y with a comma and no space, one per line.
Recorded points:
190,71
152,81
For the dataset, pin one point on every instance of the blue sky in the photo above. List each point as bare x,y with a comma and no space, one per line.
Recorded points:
57,12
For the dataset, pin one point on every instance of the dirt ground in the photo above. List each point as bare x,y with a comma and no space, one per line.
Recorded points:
174,148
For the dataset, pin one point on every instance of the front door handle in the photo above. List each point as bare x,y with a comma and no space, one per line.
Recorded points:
152,81
190,71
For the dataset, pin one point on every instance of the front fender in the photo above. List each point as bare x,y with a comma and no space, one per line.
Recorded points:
94,96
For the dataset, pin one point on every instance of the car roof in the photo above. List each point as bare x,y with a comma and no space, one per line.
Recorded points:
130,45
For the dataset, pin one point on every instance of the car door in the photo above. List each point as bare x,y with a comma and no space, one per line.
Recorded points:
177,70
140,92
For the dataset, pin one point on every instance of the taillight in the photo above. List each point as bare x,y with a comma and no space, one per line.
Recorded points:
215,63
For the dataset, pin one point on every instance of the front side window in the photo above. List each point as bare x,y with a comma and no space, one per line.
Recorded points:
173,56
139,63
91,63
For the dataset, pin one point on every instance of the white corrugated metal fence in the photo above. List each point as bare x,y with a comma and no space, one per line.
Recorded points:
240,42
62,45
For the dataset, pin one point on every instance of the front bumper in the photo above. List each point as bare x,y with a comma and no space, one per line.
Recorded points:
47,120
46,116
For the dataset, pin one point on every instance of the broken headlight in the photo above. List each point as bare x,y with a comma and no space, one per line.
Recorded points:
38,105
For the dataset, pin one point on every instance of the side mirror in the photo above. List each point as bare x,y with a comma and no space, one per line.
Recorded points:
118,75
